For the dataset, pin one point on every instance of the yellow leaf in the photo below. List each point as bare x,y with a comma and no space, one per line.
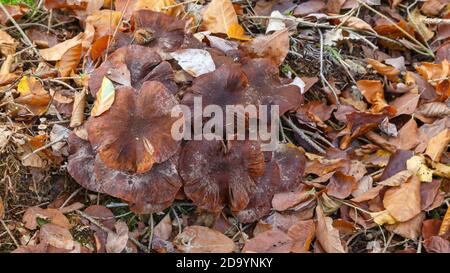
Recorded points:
445,226
236,31
105,98
417,164
24,87
382,217
33,95
219,15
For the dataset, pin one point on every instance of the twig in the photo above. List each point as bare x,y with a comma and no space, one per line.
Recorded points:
61,83
304,136
9,233
152,227
24,36
70,197
436,21
95,222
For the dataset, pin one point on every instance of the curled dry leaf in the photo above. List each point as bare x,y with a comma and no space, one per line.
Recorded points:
386,70
136,131
327,235
271,241
117,241
406,104
434,110
196,62
410,229
373,92
274,46
54,216
198,239
218,16
341,185
403,202
397,179
16,12
104,22
56,52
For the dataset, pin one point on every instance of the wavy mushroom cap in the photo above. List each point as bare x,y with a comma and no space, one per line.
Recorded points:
148,192
162,32
216,174
265,82
132,66
135,132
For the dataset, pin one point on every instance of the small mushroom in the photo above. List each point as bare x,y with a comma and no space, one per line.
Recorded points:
217,173
135,132
132,66
148,192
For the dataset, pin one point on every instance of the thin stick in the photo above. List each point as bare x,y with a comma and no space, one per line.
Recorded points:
9,233
25,37
152,227
70,197
95,222
304,136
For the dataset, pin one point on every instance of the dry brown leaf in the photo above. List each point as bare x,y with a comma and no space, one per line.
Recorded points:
198,239
56,52
373,92
56,236
437,145
285,200
53,215
368,195
403,202
7,43
386,70
236,31
33,95
408,136
410,229
302,234
274,46
2,209
117,241
355,22
397,179
445,225
271,241
406,104
435,73
219,15
434,110
104,22
327,235
164,228
70,60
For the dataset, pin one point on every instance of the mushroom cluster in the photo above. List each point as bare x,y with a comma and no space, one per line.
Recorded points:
129,152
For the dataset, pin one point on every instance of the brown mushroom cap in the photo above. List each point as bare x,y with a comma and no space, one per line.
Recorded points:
162,32
132,66
214,177
135,132
291,162
264,80
148,192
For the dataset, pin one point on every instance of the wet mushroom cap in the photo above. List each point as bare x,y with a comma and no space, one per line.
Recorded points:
148,192
132,66
215,174
135,132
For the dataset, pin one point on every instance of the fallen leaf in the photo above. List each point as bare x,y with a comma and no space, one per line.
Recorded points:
105,98
198,239
16,12
33,95
327,235
410,229
437,145
397,179
54,216
373,92
285,200
56,236
275,22
117,241
417,21
164,228
274,46
355,22
403,202
69,60
104,22
236,31
2,209
382,217
56,52
219,15
437,244
196,62
341,185
302,234
271,241
386,70
406,104
445,225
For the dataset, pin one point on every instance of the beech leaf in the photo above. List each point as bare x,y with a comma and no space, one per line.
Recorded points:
105,98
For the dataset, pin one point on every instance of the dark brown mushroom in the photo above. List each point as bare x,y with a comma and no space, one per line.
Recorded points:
135,132
148,192
217,173
132,66
264,81
283,172
162,32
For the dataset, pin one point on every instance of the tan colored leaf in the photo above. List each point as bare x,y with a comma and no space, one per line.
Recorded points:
397,179
355,22
198,239
302,233
285,200
386,70
417,21
410,229
105,98
56,52
368,195
117,241
53,215
435,73
56,236
69,60
327,235
437,145
219,15
274,46
434,110
445,225
33,95
271,241
104,22
382,217
7,43
408,136
373,92
406,104
164,228
403,202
